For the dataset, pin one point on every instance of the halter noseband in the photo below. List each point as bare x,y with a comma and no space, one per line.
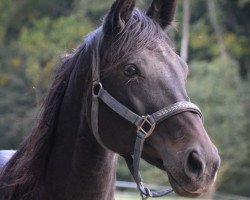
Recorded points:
145,126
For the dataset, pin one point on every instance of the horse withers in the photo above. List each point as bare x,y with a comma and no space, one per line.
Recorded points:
121,92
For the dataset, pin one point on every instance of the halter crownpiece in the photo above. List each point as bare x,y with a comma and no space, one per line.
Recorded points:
145,125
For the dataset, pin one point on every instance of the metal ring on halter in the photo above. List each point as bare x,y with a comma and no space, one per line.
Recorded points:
97,87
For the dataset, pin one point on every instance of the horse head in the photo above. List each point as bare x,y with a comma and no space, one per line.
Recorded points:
140,69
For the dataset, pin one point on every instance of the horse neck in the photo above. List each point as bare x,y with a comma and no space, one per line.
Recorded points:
78,167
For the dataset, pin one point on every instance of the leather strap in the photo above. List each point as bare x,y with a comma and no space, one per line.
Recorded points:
174,109
95,100
120,109
133,164
157,117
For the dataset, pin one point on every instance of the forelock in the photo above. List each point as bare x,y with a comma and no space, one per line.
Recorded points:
139,33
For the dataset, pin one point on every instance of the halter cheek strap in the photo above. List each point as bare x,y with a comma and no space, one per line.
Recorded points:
142,121
145,126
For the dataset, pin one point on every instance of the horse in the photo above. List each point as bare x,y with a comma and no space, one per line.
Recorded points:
122,92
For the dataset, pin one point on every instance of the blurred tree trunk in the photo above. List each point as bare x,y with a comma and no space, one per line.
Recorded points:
215,24
185,30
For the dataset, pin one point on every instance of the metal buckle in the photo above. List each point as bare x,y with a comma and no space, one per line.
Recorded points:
97,86
146,126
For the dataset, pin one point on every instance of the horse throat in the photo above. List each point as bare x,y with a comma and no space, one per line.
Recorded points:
78,167
88,172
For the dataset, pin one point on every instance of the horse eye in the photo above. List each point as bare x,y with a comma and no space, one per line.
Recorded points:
130,70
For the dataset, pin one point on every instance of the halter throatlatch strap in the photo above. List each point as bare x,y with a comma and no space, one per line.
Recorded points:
95,101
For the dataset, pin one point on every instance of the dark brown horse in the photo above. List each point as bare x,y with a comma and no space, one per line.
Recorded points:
64,160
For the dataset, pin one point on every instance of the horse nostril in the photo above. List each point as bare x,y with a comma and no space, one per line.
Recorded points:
194,165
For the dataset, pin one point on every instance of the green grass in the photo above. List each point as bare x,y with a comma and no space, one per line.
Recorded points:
135,196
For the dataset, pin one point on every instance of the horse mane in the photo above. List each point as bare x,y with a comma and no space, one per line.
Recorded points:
22,176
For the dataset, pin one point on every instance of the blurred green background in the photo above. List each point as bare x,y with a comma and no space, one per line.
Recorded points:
34,34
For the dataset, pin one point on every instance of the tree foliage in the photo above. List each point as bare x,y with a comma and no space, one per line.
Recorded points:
215,86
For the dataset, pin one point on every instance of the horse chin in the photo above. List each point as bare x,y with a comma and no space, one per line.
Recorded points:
177,187
180,190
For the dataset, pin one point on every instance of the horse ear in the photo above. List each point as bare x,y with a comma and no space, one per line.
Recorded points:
162,11
118,15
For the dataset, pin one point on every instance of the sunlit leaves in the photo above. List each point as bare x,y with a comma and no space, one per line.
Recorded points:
43,44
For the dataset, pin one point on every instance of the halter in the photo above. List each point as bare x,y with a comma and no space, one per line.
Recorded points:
145,126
